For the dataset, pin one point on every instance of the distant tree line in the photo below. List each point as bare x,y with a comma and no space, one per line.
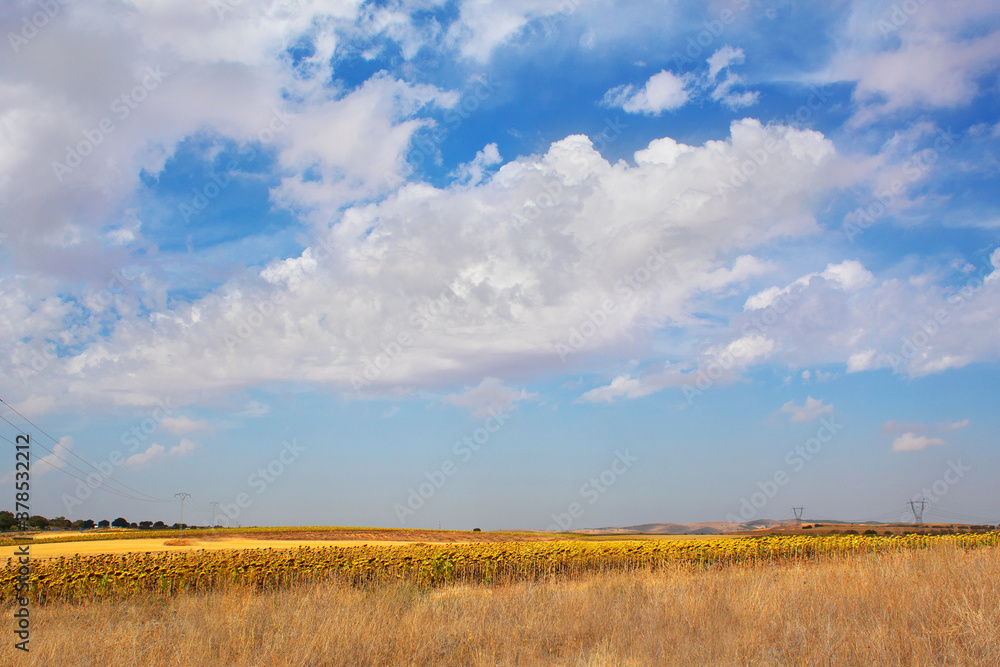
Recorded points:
8,522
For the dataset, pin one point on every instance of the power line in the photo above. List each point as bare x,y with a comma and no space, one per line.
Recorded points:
148,498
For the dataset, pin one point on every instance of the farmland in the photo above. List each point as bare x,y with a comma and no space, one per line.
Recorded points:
123,575
770,601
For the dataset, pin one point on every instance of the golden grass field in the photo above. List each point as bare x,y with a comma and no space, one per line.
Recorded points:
926,607
779,600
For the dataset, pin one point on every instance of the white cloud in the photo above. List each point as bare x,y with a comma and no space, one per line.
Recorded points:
860,361
483,25
156,451
723,58
255,409
911,442
717,365
915,327
473,172
664,91
725,93
932,57
181,425
848,275
516,282
808,411
184,448
49,462
489,397
144,458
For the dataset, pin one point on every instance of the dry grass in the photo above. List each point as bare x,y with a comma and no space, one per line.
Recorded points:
935,607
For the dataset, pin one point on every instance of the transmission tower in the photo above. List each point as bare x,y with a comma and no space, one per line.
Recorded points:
917,506
183,497
798,513
214,505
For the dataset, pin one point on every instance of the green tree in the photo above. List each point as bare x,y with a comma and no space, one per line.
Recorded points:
120,522
104,523
7,520
38,521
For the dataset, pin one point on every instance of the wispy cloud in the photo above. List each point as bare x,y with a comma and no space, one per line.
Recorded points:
490,394
911,442
811,409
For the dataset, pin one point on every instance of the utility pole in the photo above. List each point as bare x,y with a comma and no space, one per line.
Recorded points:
183,497
798,513
918,514
213,504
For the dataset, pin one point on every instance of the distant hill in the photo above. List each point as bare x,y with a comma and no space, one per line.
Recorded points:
698,528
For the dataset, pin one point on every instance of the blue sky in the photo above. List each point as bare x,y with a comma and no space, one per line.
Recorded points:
501,265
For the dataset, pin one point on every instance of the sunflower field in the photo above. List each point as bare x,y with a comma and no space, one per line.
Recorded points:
142,574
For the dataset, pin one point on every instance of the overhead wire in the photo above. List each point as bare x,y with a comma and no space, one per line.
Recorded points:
135,493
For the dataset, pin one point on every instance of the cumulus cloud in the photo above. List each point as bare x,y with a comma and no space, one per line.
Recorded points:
811,409
668,91
473,172
156,451
914,327
491,396
145,457
664,91
473,278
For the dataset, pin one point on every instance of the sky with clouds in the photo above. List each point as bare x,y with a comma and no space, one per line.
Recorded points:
558,263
